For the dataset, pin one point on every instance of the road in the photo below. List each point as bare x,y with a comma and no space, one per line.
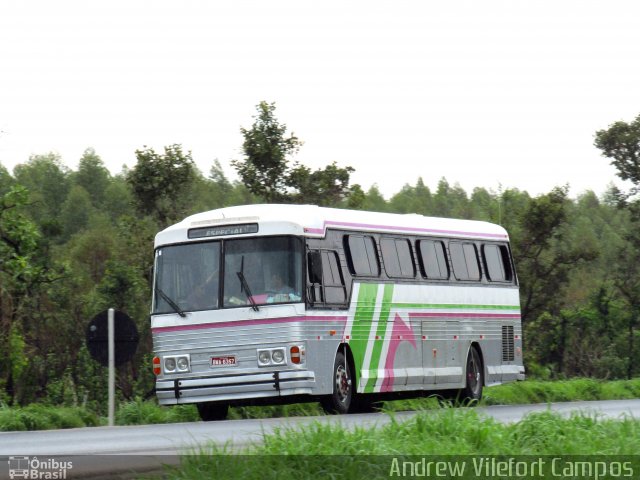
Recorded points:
147,445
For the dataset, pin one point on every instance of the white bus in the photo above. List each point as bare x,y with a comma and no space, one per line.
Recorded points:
263,304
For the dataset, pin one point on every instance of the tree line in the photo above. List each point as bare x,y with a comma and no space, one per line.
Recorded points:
75,242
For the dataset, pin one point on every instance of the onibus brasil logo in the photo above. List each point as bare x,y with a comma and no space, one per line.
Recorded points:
32,468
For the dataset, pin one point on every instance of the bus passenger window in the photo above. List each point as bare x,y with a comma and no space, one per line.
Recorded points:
433,260
496,261
362,255
396,254
465,261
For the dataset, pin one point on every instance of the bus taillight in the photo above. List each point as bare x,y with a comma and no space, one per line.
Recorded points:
295,355
156,365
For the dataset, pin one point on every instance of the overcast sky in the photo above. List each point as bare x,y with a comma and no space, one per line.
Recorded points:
480,92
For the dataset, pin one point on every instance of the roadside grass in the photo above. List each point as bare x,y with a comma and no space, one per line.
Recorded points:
329,451
44,417
139,412
533,391
540,391
145,412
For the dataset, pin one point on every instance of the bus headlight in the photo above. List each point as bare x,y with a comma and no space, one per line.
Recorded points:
169,364
264,357
183,364
178,363
278,356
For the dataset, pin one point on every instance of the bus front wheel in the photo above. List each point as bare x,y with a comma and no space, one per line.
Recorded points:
340,400
211,411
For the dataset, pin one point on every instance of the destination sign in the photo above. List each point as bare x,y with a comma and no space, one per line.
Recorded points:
218,231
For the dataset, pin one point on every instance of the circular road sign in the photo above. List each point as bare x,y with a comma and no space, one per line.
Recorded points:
126,338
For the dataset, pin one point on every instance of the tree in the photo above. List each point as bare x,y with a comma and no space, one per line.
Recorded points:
47,181
412,199
484,205
23,270
374,201
544,253
76,211
118,198
266,172
266,148
160,182
6,181
93,176
328,186
219,179
627,281
621,142
450,201
356,198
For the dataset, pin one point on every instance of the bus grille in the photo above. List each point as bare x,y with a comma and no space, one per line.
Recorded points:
507,343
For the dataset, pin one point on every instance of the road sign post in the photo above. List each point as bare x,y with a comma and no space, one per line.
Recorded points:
112,340
112,367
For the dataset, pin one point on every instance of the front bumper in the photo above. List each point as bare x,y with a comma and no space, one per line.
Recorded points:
235,387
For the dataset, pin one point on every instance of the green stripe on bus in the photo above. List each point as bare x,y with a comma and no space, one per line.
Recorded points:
456,306
385,308
362,319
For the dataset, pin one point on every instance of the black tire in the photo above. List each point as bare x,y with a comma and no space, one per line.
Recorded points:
474,374
212,411
341,399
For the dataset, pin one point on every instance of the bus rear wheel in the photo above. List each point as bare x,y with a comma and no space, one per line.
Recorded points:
211,411
472,392
340,400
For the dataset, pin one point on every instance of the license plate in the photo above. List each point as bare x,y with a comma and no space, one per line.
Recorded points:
223,361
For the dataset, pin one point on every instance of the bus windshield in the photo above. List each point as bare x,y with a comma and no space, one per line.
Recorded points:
257,271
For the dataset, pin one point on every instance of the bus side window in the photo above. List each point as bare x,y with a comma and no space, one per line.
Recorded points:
397,257
362,255
496,262
433,261
464,259
314,265
334,288
325,277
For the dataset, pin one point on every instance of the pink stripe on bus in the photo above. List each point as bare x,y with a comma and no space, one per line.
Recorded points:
247,322
402,229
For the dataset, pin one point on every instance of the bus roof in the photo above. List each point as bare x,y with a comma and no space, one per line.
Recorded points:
313,221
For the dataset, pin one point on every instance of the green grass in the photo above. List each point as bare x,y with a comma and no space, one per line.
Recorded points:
532,391
44,417
138,412
329,451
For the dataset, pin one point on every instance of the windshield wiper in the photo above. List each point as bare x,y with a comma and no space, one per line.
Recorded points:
245,286
173,304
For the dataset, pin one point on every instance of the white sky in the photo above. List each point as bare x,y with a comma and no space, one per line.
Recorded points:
480,92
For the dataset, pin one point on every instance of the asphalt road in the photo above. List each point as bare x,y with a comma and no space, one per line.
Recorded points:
146,446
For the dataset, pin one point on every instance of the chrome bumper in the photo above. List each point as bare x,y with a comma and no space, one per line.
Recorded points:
234,387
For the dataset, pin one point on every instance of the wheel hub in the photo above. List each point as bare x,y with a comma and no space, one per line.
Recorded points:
343,382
